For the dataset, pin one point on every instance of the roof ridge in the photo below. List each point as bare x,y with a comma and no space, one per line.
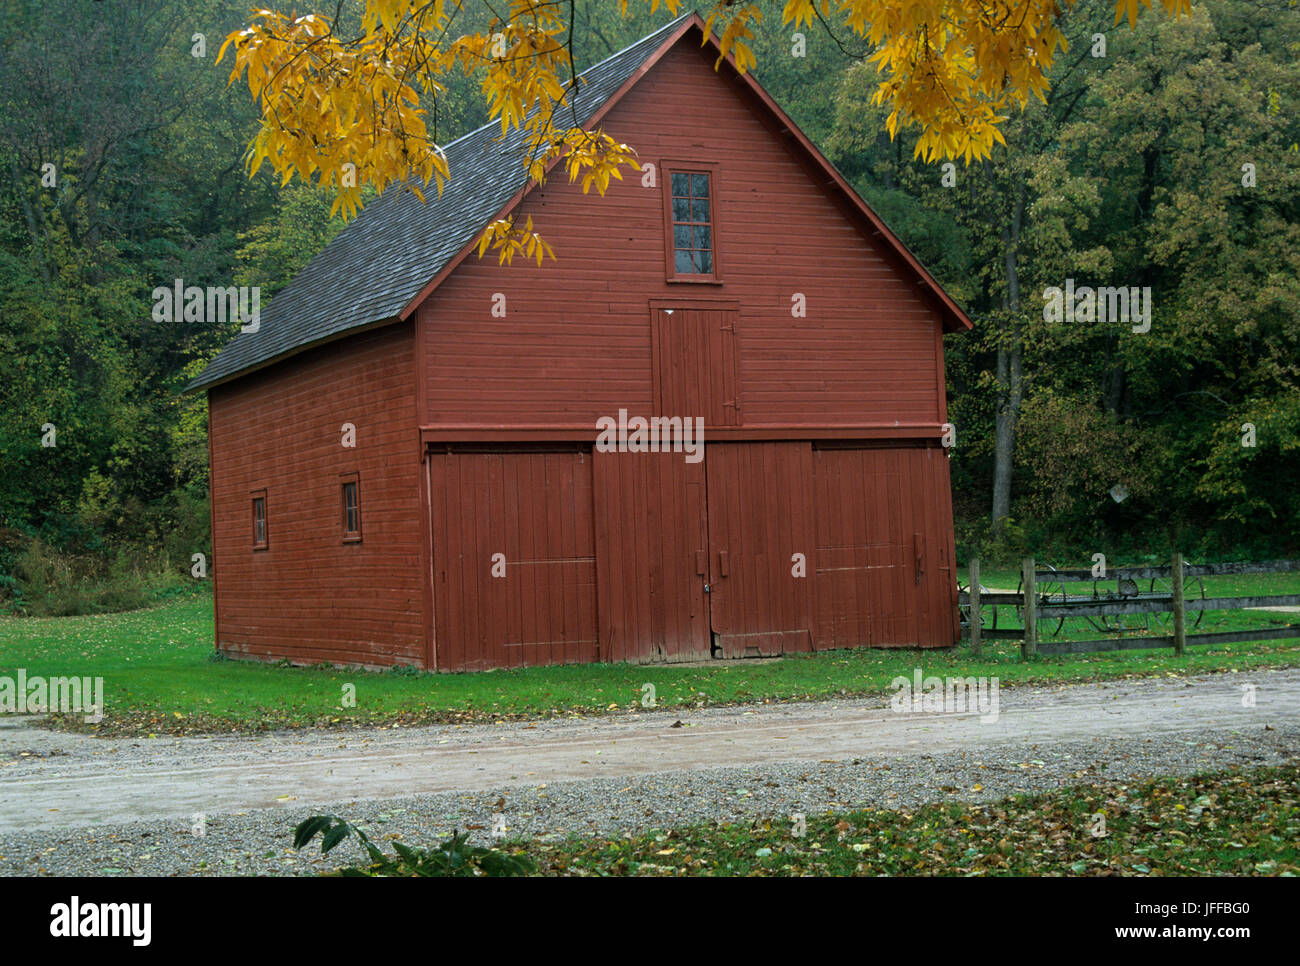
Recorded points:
641,40
590,67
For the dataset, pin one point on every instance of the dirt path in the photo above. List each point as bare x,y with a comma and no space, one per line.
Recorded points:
68,781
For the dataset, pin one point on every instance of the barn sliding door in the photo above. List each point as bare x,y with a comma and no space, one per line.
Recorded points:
514,558
884,547
760,547
707,558
651,549
763,548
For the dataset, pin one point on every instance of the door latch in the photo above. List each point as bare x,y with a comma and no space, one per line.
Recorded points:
707,590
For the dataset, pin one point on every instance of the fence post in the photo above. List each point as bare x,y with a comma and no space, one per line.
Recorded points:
975,623
1180,613
1029,645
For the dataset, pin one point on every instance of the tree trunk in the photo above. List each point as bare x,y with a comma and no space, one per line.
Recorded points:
1010,396
1116,387
1010,374
35,231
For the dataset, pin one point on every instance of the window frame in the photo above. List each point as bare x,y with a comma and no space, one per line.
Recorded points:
345,479
256,497
667,169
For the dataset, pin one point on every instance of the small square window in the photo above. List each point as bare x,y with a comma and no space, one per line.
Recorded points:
260,541
351,507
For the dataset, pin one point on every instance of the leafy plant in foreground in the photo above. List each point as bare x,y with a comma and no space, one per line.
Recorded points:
454,857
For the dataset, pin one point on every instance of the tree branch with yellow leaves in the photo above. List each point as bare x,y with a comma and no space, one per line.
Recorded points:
347,112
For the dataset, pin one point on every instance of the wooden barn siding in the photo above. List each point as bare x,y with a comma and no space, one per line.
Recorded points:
576,341
310,597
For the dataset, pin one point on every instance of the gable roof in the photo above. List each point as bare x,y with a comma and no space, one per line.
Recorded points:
397,250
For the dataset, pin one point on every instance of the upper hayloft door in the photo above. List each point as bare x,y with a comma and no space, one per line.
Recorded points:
696,366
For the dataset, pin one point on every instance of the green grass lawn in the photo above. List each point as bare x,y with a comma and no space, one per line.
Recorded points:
160,676
1224,823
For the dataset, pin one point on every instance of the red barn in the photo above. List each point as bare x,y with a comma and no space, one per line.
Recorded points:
406,456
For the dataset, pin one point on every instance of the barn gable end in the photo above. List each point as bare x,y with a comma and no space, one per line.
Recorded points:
575,342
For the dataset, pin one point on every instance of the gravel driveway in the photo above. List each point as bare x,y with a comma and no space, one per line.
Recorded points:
77,805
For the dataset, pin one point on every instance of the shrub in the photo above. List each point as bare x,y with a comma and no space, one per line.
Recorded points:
455,857
48,583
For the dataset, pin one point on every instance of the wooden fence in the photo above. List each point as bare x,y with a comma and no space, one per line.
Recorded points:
1033,606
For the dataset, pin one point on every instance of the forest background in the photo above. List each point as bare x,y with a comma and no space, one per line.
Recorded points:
1166,157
